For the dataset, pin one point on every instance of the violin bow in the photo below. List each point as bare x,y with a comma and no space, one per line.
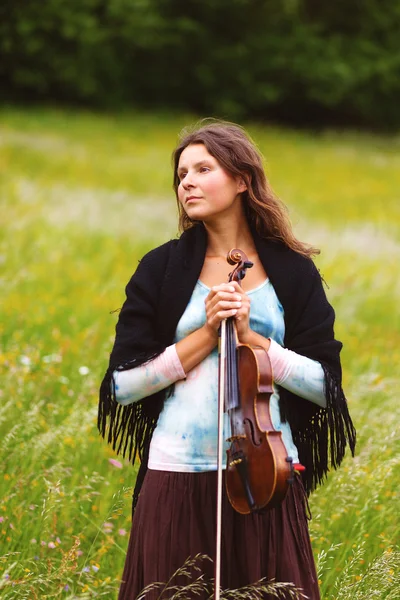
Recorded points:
221,396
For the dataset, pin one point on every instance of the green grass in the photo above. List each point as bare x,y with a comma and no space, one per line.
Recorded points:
83,196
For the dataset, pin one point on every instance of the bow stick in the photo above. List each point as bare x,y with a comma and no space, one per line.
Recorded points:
221,396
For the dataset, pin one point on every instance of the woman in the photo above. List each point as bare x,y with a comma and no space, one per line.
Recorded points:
159,395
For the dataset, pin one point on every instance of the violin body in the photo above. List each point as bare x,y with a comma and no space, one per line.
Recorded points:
258,471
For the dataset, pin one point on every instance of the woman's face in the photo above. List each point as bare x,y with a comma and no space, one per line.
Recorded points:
206,190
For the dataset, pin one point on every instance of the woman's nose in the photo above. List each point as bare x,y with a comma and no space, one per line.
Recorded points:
187,181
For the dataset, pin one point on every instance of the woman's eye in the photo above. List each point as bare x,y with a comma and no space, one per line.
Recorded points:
204,169
181,176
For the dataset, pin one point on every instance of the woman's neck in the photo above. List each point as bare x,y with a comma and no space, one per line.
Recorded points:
223,236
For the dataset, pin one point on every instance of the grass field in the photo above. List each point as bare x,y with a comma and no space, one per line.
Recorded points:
82,198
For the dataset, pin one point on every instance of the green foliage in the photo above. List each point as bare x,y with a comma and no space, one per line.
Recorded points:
300,60
83,197
195,585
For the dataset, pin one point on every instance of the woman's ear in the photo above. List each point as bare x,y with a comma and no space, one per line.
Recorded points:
242,187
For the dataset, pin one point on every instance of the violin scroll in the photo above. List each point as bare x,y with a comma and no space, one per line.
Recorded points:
238,257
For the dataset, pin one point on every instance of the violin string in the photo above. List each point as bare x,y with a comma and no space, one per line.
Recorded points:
229,364
232,392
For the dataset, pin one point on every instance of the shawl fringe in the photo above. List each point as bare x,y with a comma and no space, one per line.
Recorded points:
322,440
128,428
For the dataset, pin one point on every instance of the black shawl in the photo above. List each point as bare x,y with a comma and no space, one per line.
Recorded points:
156,297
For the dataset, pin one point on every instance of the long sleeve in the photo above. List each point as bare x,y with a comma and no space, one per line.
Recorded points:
298,374
157,374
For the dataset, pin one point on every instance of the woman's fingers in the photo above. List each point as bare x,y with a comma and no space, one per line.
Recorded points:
224,301
225,290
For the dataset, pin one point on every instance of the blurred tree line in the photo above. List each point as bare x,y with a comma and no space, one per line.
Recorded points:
299,61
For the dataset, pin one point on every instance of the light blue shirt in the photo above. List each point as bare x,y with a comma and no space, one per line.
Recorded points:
185,439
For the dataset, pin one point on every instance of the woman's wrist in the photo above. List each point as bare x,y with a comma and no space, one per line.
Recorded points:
211,334
196,346
253,338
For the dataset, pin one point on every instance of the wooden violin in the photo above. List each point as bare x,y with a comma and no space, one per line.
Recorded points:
258,471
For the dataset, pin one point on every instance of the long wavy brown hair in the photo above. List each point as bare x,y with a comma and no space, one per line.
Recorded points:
237,153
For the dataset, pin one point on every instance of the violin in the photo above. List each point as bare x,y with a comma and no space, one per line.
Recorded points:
259,471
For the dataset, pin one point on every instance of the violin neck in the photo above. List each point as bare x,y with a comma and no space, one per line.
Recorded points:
232,397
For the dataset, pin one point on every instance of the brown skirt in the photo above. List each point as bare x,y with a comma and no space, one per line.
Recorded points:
175,519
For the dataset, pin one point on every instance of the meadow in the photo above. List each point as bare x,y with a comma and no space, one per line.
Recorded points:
83,197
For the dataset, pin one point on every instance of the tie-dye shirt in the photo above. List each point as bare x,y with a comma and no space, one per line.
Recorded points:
185,439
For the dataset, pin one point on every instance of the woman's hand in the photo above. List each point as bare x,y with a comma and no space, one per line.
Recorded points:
228,300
